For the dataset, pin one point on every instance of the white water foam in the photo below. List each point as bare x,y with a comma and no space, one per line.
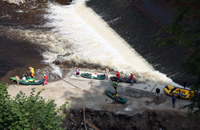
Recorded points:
80,35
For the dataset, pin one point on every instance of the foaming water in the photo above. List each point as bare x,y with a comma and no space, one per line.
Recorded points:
80,35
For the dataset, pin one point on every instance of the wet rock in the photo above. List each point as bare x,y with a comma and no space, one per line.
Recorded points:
56,62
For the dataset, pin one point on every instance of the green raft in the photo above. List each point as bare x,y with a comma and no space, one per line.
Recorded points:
36,82
111,94
29,81
93,76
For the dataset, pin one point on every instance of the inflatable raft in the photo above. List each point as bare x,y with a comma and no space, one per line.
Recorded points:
185,94
111,94
28,81
93,76
123,79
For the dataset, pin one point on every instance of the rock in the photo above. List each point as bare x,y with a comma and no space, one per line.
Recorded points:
171,124
56,62
71,117
82,123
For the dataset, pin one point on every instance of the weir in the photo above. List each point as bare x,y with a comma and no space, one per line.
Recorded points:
81,33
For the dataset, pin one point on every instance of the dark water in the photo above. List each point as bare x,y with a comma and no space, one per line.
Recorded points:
141,33
17,55
160,10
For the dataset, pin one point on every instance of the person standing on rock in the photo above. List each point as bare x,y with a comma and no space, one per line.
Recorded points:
173,100
77,71
184,84
115,98
45,80
132,79
179,94
118,76
115,86
17,79
31,72
157,93
107,72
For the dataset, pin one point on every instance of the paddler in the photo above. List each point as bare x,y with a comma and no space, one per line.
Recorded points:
45,80
31,70
115,86
17,79
118,76
132,78
115,97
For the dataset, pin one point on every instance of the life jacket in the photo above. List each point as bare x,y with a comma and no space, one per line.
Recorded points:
45,77
131,77
32,70
116,96
115,84
118,74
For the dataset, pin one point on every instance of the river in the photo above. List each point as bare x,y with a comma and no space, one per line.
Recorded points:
109,33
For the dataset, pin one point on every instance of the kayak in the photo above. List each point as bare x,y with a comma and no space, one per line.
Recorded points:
185,94
29,81
93,76
122,79
111,94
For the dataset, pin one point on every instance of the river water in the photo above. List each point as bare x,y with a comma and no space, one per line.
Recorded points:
112,33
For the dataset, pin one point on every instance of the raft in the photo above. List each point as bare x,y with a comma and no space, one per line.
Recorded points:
122,79
28,81
111,94
93,76
36,82
185,94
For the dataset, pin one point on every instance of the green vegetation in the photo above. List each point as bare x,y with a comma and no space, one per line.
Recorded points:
185,30
28,112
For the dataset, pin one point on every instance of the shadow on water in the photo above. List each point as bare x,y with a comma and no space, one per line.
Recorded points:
16,57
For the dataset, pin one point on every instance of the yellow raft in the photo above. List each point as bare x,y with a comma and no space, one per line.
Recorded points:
185,94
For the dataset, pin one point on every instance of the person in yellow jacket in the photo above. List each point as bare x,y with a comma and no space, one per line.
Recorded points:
31,70
115,97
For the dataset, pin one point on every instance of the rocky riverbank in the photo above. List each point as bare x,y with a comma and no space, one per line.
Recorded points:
148,120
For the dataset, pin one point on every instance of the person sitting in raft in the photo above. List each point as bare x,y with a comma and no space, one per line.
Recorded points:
131,78
118,76
17,79
115,97
45,80
77,71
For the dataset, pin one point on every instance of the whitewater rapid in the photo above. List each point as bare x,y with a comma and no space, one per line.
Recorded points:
80,35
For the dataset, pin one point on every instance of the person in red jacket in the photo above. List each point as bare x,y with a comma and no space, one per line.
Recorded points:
118,76
45,79
131,77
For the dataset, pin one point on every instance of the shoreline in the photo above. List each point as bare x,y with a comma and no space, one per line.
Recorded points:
90,93
142,109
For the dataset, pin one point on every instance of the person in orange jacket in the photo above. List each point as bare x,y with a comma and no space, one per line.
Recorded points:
45,80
